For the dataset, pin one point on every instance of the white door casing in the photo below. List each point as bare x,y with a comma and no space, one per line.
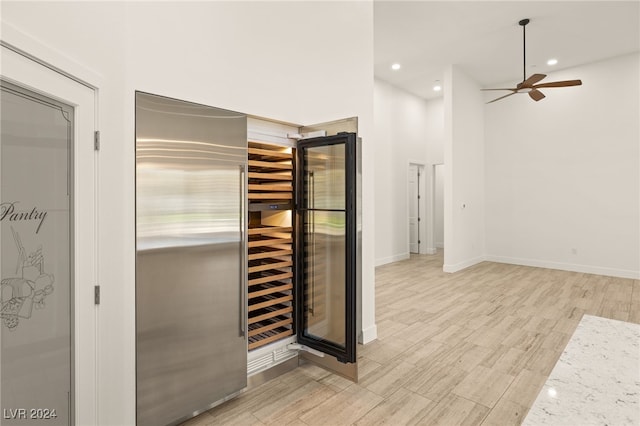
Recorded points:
30,74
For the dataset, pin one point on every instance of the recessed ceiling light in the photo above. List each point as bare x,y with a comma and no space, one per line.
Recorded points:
552,61
395,67
437,87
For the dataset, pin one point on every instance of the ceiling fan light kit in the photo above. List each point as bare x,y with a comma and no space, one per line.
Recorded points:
528,85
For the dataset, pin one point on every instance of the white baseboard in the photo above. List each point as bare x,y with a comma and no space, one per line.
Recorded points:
369,334
391,259
587,269
440,245
463,265
430,250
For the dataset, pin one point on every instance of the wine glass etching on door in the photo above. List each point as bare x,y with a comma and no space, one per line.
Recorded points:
28,289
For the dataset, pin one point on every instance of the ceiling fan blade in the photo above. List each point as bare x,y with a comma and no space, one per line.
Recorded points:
536,95
502,97
531,80
565,83
502,88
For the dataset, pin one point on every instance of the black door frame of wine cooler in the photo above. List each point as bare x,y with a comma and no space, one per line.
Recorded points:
346,354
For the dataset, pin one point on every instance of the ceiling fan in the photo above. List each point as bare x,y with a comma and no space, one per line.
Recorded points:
529,85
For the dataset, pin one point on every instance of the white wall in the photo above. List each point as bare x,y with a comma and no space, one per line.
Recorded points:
435,130
464,209
562,174
435,155
400,138
271,59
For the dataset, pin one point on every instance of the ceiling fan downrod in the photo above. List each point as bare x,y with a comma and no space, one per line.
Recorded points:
524,23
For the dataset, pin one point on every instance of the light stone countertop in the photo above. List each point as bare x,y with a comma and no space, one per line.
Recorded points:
596,381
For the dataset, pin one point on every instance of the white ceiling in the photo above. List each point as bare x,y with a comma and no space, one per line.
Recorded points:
485,40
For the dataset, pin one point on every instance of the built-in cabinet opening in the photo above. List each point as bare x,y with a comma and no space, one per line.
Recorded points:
302,245
270,244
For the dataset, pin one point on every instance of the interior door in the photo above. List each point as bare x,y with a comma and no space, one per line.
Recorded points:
47,240
326,246
414,209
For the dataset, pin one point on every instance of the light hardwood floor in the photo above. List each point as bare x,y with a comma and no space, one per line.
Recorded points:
470,348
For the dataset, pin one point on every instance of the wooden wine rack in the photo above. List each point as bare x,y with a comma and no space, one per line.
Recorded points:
270,257
270,173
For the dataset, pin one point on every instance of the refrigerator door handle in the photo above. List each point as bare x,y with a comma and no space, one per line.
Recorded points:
243,255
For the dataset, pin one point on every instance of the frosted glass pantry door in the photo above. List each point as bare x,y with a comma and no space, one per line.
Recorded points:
36,141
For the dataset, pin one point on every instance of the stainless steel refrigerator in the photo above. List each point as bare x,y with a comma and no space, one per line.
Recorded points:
191,257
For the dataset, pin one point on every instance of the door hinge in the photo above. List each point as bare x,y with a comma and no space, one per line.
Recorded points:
96,294
96,140
418,219
419,241
299,347
309,135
